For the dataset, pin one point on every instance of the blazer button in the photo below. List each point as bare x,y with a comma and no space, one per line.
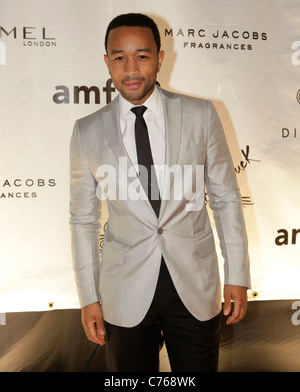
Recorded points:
160,230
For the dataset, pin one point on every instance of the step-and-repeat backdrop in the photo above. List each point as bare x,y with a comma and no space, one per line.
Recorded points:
243,55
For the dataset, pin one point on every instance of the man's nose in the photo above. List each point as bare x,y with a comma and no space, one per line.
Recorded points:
131,67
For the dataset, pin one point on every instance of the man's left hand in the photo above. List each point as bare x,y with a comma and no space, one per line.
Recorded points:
238,295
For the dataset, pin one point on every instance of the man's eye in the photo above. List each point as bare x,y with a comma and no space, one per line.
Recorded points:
142,56
119,58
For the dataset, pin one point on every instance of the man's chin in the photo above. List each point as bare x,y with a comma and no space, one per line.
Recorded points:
136,97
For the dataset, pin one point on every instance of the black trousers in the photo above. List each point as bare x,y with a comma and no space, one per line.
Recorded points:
192,345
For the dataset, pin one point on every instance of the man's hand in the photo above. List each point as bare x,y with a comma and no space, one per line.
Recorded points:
238,295
93,324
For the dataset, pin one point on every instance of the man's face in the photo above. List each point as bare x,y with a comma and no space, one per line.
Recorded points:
133,62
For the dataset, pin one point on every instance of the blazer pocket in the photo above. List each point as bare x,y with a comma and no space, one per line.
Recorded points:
113,253
206,246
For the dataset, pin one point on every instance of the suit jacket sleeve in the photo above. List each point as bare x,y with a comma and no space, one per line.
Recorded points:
225,202
84,222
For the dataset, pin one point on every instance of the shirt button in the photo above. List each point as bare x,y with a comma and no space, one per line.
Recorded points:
160,230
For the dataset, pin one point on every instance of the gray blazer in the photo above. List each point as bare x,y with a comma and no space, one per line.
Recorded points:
135,239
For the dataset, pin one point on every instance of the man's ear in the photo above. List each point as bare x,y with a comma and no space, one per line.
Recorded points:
160,58
106,59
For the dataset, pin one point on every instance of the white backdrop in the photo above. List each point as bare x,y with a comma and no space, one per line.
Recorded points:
242,54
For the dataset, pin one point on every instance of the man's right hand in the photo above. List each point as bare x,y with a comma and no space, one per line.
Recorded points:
93,323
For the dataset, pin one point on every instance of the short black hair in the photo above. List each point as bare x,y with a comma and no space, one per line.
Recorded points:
134,20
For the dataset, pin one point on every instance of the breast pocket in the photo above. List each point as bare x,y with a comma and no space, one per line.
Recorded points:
192,154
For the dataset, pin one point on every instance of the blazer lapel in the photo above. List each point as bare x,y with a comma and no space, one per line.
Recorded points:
172,112
112,129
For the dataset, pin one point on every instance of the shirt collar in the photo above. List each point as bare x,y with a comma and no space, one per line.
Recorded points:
153,103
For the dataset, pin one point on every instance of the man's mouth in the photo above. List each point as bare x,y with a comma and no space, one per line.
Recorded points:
133,84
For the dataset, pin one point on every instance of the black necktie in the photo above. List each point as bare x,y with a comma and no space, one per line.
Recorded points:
145,160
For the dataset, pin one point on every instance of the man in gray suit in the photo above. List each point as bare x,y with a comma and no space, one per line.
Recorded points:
159,272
